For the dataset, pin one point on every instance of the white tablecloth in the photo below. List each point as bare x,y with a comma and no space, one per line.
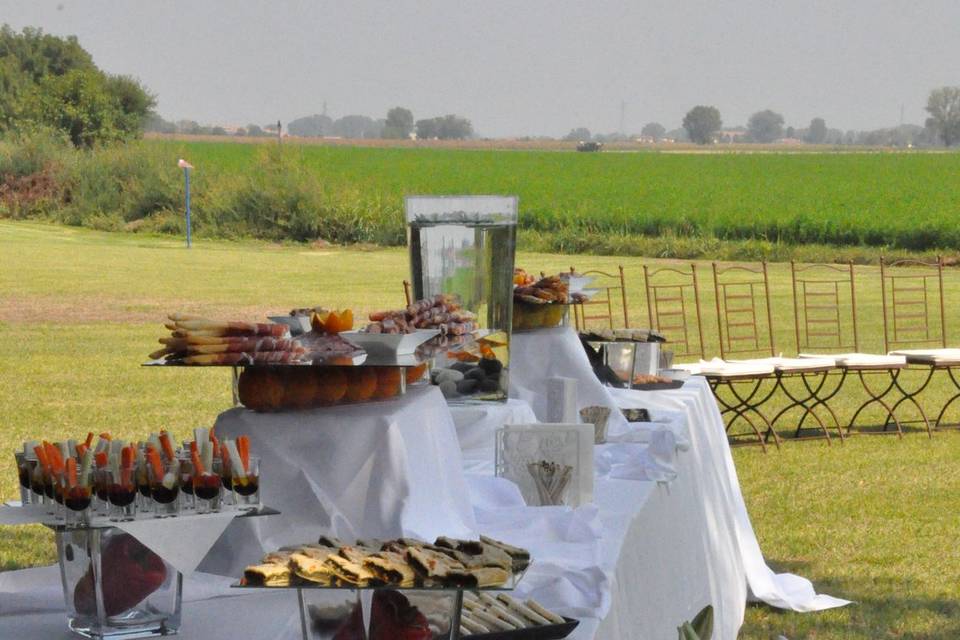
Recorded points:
383,469
538,355
641,560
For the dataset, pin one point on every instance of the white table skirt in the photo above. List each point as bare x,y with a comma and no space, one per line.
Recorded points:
383,470
647,557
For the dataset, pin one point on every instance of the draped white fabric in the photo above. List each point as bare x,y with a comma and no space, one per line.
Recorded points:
668,533
381,470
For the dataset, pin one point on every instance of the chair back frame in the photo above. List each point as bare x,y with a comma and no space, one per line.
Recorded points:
580,316
662,303
907,306
738,298
817,288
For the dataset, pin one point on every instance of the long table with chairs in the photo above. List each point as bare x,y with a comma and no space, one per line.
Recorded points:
760,390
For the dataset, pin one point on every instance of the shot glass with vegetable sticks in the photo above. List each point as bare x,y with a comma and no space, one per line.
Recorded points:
187,499
77,490
245,473
164,478
207,488
23,475
38,477
122,486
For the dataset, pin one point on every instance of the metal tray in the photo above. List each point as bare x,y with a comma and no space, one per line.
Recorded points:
545,632
509,585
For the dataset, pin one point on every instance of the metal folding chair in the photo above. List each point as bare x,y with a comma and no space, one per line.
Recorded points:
673,308
915,326
600,306
745,325
825,323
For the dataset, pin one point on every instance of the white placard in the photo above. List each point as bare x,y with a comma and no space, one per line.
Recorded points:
562,400
563,444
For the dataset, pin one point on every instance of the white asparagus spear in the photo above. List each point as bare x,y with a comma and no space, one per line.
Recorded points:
85,465
236,462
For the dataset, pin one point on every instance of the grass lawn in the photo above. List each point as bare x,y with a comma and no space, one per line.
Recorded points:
873,520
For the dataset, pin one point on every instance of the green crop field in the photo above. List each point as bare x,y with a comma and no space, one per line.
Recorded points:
778,206
901,200
870,520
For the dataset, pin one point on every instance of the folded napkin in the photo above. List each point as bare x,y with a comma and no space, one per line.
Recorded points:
860,359
718,367
935,356
780,363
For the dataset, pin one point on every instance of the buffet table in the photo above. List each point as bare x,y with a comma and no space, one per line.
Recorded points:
667,534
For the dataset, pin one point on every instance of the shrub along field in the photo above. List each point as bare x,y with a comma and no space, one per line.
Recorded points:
869,520
720,205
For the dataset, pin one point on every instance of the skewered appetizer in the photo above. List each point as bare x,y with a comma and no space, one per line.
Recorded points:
198,341
443,312
544,291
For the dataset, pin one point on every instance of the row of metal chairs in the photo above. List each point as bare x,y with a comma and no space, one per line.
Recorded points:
825,324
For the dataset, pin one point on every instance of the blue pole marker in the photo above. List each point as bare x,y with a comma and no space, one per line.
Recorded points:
186,175
186,166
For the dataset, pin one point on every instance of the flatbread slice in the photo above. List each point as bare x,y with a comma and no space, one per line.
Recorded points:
350,572
312,569
391,568
267,575
436,566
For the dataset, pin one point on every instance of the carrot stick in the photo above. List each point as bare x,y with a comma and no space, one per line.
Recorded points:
106,435
154,459
243,447
42,457
81,449
55,457
197,464
127,456
101,458
193,446
167,445
89,440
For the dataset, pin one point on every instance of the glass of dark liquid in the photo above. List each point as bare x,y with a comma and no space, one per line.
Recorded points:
23,474
121,494
208,490
165,488
246,487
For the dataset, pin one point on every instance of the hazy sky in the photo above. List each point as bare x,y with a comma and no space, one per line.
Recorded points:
522,66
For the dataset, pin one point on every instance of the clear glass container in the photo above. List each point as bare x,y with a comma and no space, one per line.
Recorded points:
379,614
115,587
465,246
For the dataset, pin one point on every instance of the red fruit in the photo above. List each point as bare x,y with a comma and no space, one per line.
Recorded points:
131,572
392,618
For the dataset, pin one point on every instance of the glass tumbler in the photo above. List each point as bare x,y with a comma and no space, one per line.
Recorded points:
23,474
165,489
122,495
246,488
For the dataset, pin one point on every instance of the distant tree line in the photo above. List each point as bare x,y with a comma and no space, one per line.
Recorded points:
52,83
703,125
399,124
